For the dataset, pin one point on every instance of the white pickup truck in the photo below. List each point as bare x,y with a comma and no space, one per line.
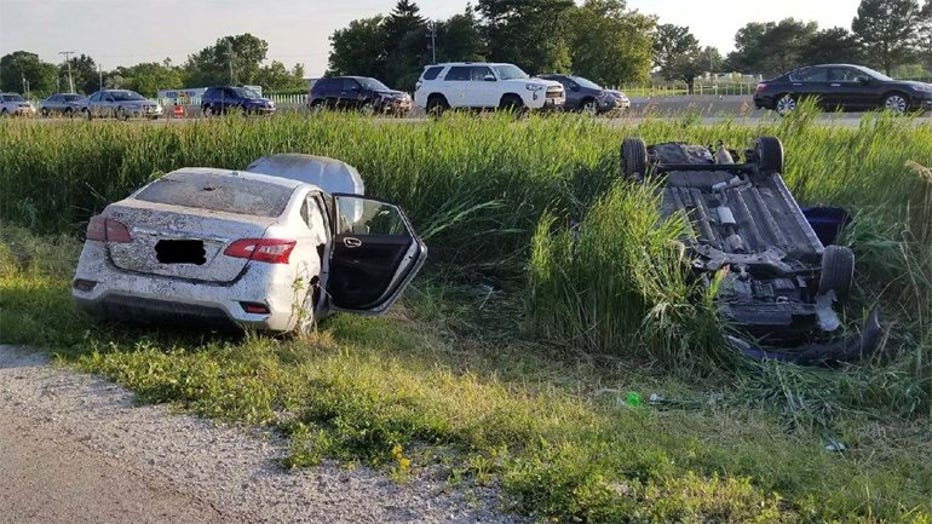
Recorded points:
484,86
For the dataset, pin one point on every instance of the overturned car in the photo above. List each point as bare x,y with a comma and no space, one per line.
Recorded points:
272,247
782,285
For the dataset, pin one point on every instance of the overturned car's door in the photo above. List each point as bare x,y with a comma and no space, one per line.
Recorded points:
375,253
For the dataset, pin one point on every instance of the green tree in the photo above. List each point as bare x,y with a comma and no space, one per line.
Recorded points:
211,65
276,77
836,45
83,72
150,77
770,48
358,48
459,38
924,45
888,30
20,70
405,41
609,44
670,42
528,33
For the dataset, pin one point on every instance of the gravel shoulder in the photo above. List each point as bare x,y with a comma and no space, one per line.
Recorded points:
74,448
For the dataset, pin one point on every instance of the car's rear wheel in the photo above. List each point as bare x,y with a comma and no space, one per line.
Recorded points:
69,112
367,109
896,103
122,114
205,110
317,106
786,104
87,113
45,112
837,271
589,107
436,105
633,158
769,151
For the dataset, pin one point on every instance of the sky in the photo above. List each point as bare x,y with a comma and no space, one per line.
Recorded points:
126,32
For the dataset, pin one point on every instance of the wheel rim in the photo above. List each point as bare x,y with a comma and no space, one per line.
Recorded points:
367,109
786,105
589,108
896,103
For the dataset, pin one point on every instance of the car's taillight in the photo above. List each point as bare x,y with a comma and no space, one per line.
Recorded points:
105,229
760,87
271,250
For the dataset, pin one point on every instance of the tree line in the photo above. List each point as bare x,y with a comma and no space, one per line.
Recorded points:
599,39
606,42
241,56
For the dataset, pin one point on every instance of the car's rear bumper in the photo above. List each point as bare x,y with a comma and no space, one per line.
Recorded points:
763,102
100,288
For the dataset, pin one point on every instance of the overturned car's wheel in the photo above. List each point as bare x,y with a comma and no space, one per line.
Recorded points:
769,152
633,158
837,271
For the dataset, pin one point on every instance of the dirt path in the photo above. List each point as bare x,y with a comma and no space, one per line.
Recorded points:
73,448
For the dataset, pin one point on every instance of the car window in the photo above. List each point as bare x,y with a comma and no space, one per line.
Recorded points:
847,74
432,72
324,84
95,97
458,73
478,73
348,84
54,98
368,217
12,98
218,192
810,74
510,72
71,98
588,84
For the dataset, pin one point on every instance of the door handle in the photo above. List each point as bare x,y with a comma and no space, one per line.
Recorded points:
352,242
835,85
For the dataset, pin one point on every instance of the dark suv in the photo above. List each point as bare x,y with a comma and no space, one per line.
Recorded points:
586,96
220,100
845,87
358,92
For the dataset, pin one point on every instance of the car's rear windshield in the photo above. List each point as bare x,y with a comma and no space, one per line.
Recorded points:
219,192
12,98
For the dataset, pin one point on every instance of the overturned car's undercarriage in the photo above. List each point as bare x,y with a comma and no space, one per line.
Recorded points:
780,284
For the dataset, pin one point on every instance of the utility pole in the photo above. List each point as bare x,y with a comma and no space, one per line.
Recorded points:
100,77
433,42
230,56
67,55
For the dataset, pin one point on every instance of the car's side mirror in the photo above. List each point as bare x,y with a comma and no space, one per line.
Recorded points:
489,78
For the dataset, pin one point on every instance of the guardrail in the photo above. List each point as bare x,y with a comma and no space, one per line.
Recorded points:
679,89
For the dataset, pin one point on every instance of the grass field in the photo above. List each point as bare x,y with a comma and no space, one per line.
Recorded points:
484,368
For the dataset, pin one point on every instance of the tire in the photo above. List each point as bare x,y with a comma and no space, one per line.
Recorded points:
785,104
87,114
206,111
44,112
897,103
633,159
245,110
367,109
4,113
436,105
769,152
589,107
317,106
122,114
837,272
69,112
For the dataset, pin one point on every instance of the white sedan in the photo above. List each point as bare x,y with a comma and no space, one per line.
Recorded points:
265,251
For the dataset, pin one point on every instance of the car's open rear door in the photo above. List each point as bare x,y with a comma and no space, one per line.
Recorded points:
375,253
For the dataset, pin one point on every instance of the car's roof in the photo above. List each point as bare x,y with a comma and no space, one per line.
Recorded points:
233,173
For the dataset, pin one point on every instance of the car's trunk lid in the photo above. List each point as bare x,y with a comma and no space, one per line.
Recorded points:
181,242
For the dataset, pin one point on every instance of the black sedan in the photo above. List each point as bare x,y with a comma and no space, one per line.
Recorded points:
845,87
588,97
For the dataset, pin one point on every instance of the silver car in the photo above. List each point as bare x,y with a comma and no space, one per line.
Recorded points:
120,103
61,104
273,248
12,104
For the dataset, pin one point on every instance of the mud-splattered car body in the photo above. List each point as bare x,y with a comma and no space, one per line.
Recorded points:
268,251
781,285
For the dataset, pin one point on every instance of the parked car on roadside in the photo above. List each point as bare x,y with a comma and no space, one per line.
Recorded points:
66,104
221,100
358,92
586,96
13,104
119,103
273,247
842,86
484,86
